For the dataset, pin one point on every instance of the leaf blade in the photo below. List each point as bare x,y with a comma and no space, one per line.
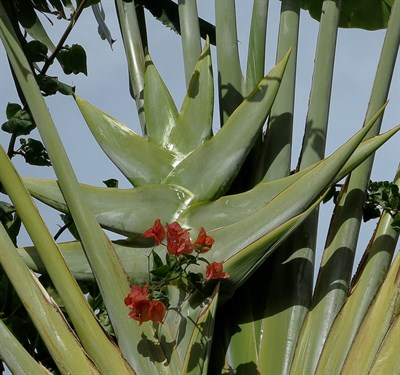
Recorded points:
140,160
218,159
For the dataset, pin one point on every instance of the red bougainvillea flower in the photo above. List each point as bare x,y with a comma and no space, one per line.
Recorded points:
203,242
157,232
215,271
178,240
142,307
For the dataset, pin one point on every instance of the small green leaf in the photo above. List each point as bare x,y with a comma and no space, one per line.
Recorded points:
12,109
157,260
161,271
159,295
50,85
189,259
370,211
20,121
6,212
73,59
11,221
35,51
381,195
171,260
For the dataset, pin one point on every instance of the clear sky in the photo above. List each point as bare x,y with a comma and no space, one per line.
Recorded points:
106,86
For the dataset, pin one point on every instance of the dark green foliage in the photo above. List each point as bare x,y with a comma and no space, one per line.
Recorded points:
167,13
333,193
6,212
95,300
51,85
111,183
396,223
35,51
10,220
382,195
362,14
19,120
34,152
73,59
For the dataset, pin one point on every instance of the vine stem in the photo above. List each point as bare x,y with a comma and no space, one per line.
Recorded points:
61,230
74,19
11,145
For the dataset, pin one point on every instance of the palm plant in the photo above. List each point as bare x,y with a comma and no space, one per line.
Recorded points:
237,184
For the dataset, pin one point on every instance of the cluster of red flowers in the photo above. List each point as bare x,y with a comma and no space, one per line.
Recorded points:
178,239
143,307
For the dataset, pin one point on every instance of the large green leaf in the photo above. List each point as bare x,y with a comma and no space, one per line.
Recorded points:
378,323
133,259
139,159
125,211
195,119
146,203
371,274
184,132
387,360
231,209
292,203
217,160
246,243
363,14
159,107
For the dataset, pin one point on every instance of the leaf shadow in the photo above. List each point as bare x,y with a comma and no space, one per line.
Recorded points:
156,350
